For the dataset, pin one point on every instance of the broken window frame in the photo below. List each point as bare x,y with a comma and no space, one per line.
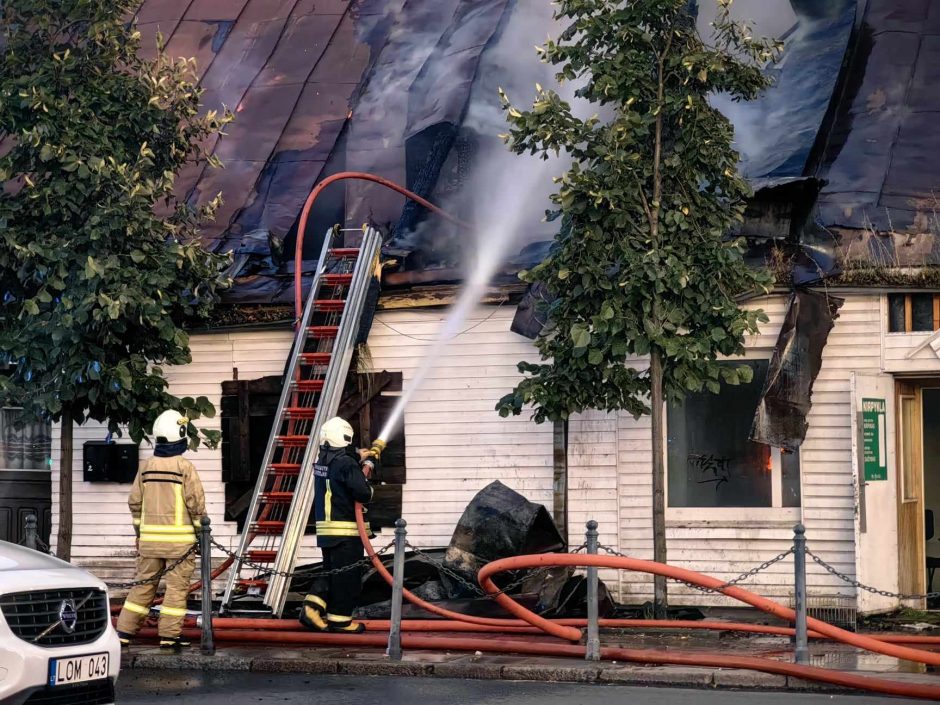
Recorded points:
908,324
753,514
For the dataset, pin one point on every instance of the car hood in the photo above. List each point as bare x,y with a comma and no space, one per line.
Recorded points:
24,569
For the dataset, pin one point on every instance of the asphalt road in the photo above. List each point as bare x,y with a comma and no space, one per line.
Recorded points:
233,688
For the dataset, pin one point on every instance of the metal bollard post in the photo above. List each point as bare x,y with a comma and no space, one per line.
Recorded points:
593,651
31,539
799,569
398,584
205,562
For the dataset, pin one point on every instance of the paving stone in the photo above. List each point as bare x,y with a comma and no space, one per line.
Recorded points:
735,678
383,668
468,668
280,665
696,677
192,662
544,672
800,684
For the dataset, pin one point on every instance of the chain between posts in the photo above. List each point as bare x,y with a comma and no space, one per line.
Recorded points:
867,588
731,583
266,570
156,578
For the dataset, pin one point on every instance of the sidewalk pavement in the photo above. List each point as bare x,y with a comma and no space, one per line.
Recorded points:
373,662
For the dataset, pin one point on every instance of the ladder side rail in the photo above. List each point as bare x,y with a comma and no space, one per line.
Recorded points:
298,345
330,397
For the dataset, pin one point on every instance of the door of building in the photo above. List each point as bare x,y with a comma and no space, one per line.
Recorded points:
25,482
918,484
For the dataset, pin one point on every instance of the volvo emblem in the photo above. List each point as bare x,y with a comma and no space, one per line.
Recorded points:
68,616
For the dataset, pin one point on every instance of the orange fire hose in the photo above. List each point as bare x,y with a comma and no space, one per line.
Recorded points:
278,632
641,656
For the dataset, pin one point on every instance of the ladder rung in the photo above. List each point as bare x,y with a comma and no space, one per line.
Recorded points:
326,305
267,528
337,279
344,252
323,331
295,441
277,497
285,469
301,412
308,385
315,358
262,556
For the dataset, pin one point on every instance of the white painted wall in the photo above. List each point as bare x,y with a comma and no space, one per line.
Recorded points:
457,444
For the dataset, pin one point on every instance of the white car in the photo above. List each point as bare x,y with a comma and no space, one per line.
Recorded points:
57,645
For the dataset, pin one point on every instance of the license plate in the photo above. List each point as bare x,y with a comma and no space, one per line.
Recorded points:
78,669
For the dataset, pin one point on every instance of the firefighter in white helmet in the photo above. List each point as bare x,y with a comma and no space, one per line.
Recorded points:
167,504
340,480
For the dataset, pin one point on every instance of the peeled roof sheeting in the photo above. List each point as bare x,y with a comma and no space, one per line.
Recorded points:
880,163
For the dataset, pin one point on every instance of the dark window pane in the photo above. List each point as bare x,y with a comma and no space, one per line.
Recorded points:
896,313
711,461
790,469
922,310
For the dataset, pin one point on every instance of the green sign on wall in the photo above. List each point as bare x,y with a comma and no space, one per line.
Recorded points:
874,439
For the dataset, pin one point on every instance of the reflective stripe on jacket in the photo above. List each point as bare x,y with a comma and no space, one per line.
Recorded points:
167,504
338,484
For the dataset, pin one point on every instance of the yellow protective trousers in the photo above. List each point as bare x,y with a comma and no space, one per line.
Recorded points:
138,601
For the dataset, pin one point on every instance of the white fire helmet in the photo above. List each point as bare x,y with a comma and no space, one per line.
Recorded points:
170,427
336,433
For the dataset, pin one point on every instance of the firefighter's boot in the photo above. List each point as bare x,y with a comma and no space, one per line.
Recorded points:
311,613
346,626
174,644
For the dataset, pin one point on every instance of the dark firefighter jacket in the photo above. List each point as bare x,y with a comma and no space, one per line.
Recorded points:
338,485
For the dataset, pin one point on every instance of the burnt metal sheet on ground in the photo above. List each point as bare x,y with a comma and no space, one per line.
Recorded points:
498,523
316,123
780,420
441,92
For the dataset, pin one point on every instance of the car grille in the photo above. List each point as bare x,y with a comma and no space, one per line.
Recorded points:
29,614
94,693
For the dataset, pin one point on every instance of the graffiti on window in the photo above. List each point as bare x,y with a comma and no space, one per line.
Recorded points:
710,469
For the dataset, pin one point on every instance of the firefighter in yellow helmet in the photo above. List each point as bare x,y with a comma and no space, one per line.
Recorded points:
167,504
340,480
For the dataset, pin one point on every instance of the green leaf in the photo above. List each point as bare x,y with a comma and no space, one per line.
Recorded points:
580,336
31,307
595,357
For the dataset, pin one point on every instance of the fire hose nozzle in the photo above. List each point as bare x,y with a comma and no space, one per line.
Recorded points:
378,445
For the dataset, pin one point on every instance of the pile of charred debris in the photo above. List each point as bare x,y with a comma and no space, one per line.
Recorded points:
498,523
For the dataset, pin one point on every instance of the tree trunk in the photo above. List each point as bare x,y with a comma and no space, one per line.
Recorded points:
64,539
659,481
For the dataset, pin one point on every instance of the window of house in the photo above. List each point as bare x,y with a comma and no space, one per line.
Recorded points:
913,313
248,410
23,446
711,462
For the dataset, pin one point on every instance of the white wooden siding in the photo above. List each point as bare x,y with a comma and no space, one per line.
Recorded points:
456,444
724,547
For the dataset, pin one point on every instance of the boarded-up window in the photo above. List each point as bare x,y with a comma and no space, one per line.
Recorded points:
248,410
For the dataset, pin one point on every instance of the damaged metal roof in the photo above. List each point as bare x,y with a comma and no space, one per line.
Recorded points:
320,86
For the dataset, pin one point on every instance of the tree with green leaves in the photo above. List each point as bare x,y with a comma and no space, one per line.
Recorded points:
99,265
643,267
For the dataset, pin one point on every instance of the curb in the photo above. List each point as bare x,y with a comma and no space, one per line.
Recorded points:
482,668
